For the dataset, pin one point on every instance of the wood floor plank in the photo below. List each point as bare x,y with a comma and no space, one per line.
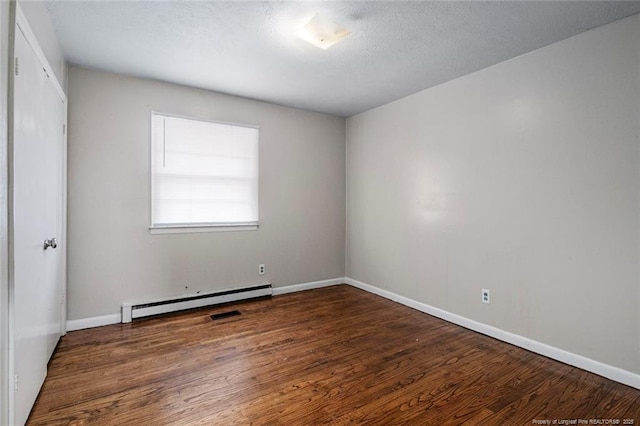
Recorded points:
335,355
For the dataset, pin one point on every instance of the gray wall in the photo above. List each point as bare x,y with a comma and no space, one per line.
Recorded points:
112,255
522,178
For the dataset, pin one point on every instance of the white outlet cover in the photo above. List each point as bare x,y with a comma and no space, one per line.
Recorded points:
486,296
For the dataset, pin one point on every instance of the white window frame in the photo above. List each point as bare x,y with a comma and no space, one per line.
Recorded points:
184,228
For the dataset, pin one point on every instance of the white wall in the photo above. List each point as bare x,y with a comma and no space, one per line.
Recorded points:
40,22
112,256
522,178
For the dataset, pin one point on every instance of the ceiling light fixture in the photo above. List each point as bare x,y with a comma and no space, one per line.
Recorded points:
322,33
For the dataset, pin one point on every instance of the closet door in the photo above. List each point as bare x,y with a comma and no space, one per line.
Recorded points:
38,155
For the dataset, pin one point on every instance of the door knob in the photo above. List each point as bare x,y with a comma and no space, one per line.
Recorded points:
50,243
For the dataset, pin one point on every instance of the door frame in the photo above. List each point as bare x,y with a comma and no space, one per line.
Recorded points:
17,21
6,22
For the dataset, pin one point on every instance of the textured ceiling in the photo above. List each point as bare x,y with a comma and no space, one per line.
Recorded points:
249,48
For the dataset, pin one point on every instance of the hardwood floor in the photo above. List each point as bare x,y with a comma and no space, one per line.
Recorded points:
335,355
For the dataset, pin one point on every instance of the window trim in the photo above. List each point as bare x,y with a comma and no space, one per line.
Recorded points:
189,228
182,229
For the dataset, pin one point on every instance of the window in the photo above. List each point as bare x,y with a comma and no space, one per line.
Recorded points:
203,174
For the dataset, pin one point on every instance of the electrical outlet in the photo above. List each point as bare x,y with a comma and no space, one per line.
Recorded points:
486,296
261,269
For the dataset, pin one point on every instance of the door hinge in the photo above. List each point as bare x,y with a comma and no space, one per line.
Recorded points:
16,66
15,384
64,128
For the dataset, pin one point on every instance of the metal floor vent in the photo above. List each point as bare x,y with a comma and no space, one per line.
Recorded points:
225,315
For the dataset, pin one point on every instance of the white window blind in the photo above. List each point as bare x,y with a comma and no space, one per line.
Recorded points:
203,173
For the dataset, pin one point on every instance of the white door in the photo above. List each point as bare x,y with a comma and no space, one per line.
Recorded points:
38,155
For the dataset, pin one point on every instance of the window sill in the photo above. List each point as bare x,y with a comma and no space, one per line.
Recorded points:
201,228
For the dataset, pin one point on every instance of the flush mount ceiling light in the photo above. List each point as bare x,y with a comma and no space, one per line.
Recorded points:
322,33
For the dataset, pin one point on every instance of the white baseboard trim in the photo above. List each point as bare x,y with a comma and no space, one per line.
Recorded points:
597,367
80,324
307,286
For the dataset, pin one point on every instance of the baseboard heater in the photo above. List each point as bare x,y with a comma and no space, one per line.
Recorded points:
132,310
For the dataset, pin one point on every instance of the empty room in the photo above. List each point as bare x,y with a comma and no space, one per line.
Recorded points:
319,212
